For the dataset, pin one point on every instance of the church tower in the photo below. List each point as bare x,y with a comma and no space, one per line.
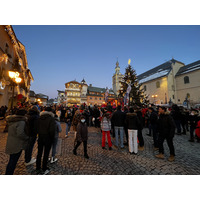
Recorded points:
117,77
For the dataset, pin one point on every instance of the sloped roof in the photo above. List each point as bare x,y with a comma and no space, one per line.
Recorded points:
32,93
42,96
157,72
189,68
101,90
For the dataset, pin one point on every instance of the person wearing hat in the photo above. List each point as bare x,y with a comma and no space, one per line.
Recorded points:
81,136
17,139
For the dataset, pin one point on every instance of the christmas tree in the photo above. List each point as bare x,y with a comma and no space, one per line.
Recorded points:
136,95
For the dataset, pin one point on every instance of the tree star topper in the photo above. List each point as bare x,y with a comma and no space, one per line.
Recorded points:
129,61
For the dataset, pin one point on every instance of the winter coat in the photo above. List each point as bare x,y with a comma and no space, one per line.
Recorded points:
166,125
132,121
76,119
17,138
68,117
105,124
46,124
33,118
118,118
153,118
82,132
58,128
193,119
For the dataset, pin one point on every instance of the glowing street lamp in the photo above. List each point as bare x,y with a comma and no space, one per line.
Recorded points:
15,80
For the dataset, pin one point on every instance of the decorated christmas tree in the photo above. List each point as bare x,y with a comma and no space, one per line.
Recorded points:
134,94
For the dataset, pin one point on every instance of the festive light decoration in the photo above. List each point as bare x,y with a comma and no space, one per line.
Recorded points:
129,61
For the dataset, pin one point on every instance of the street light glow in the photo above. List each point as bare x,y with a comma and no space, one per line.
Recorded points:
18,80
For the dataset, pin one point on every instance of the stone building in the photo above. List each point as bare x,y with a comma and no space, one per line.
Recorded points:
117,77
13,58
172,81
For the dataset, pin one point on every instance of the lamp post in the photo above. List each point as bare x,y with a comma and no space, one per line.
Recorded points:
154,96
14,76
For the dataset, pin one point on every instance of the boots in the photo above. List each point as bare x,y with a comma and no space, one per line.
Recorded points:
160,155
86,156
171,158
74,152
141,148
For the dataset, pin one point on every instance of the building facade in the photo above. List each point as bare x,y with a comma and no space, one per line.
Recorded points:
117,77
13,58
172,81
79,93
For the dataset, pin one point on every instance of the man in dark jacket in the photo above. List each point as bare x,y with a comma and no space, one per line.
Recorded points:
33,116
46,134
133,125
153,126
166,130
118,119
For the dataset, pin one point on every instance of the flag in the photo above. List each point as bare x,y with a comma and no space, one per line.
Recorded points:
106,95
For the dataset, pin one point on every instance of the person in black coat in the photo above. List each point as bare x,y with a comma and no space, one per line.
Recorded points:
133,124
46,133
153,125
166,130
81,136
33,117
140,137
118,119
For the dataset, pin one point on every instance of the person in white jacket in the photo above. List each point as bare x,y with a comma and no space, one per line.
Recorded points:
106,127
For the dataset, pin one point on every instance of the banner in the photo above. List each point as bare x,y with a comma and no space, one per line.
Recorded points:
106,95
126,96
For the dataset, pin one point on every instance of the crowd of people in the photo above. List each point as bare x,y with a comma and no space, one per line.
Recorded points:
122,127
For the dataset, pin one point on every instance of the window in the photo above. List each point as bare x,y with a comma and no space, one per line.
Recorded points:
157,84
90,97
145,88
95,98
99,98
173,96
186,79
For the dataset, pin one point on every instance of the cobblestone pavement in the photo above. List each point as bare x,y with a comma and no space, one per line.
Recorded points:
117,162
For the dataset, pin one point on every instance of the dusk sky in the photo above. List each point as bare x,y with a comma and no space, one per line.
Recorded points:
59,54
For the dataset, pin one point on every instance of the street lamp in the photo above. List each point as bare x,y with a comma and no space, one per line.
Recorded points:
15,80
154,96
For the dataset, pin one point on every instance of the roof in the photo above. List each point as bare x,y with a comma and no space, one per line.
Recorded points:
189,68
157,72
42,96
32,93
100,90
59,91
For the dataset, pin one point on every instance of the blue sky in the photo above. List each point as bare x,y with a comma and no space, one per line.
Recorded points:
58,54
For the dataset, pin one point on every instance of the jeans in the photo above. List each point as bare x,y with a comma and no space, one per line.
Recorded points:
29,149
54,145
12,163
68,126
104,133
192,132
44,143
121,131
178,125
